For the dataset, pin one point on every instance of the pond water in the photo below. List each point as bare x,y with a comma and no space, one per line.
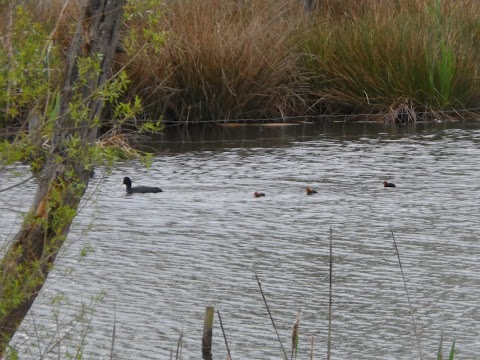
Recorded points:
160,259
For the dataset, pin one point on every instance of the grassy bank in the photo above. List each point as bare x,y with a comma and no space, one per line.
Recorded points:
191,61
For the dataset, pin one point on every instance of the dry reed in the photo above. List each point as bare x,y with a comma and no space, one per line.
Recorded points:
193,61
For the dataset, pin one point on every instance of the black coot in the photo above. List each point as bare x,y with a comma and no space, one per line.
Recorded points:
139,189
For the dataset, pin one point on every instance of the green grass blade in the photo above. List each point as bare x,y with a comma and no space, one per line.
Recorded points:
452,351
439,353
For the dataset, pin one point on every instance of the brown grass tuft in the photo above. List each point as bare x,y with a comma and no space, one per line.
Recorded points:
222,60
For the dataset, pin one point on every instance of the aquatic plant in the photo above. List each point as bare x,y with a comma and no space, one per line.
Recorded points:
451,355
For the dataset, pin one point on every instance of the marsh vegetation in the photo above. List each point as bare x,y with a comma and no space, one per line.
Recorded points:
218,60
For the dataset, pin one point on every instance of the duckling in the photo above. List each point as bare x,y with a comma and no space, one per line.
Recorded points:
387,184
310,191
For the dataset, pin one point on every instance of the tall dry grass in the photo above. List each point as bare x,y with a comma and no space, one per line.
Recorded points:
387,56
211,60
223,59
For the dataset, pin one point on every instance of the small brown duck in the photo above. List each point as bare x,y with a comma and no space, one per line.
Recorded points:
258,194
387,184
310,191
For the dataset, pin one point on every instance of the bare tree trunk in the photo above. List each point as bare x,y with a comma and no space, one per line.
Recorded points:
62,183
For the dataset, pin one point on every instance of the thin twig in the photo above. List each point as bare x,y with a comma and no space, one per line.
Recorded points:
408,297
329,342
17,184
270,314
9,47
224,336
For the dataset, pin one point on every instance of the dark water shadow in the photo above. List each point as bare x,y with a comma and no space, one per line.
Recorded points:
179,138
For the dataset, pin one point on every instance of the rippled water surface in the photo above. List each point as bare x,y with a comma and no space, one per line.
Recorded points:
159,259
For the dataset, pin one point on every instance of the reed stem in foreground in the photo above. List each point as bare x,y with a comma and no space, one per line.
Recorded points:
178,354
329,343
113,333
224,335
311,349
408,297
270,314
295,333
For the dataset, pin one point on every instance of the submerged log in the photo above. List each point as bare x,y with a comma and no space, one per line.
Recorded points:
63,179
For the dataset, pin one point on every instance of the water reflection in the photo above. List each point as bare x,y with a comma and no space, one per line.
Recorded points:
209,137
161,258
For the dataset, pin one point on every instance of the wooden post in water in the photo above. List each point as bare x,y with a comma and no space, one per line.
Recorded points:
207,333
